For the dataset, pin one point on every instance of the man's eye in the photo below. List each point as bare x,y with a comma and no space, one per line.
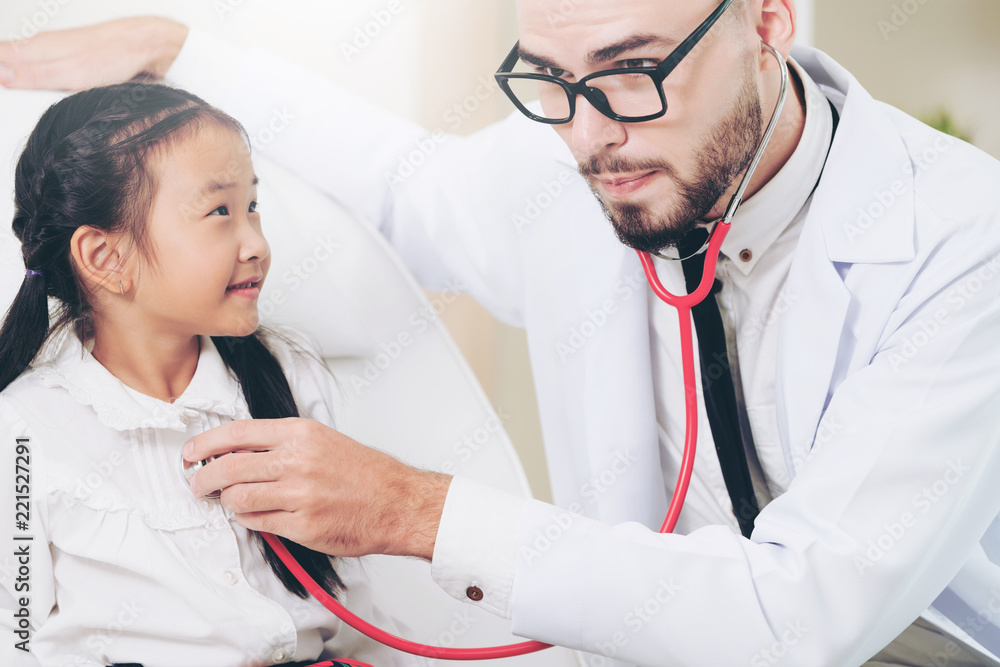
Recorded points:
253,207
554,71
633,63
222,210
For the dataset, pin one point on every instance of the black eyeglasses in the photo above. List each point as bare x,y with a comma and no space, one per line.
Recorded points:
628,95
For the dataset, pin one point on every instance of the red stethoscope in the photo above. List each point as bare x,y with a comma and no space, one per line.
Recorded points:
683,304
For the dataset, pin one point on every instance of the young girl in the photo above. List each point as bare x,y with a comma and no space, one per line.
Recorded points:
135,207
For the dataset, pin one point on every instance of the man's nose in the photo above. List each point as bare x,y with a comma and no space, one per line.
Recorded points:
593,132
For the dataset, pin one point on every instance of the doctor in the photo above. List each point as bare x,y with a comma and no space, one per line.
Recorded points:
858,299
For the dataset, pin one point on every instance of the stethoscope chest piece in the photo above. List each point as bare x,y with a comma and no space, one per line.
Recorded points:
188,469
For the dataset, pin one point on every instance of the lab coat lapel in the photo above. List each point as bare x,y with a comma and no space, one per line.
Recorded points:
836,237
616,428
808,338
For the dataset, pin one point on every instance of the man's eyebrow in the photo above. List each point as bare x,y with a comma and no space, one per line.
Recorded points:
533,59
218,186
630,43
604,54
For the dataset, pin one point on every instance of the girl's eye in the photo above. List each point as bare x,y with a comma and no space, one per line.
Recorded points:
253,207
222,210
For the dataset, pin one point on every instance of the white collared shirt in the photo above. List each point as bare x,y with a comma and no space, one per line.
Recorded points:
753,266
126,565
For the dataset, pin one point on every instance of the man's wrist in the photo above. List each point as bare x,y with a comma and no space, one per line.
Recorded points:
425,503
167,40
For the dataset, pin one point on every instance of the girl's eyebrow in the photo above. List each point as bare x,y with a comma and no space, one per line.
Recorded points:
217,186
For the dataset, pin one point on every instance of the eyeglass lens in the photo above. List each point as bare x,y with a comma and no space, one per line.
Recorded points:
629,95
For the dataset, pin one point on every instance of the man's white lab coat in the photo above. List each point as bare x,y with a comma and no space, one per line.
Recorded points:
887,377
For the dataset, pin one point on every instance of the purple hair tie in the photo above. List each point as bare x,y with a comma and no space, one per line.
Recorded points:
31,272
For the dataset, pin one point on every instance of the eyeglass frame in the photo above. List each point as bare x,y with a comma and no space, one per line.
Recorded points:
596,96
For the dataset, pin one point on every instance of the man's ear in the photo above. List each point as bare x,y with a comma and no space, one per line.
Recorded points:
99,260
776,24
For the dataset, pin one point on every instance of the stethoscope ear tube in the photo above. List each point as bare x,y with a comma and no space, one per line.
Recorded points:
685,303
737,199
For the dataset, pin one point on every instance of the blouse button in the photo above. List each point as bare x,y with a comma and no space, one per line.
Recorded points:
279,655
474,593
230,577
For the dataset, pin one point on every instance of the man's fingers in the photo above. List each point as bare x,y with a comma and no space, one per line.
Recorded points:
240,467
88,56
56,75
257,497
276,521
43,47
250,434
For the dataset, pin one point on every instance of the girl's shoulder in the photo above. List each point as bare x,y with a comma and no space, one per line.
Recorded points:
34,397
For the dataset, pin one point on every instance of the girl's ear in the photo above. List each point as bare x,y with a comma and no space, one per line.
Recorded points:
98,258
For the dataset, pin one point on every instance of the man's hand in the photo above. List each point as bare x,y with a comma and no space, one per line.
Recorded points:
101,54
302,480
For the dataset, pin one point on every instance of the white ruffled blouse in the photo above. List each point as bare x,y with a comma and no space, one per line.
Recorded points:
123,563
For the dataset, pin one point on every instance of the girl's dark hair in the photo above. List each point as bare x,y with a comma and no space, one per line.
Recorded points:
85,164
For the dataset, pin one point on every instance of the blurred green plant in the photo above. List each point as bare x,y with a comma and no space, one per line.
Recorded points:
943,121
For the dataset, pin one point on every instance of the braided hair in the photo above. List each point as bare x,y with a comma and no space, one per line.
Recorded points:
85,165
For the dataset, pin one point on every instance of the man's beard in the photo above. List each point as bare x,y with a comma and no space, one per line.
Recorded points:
726,153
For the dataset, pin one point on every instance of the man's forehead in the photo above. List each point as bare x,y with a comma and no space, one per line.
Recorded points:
586,26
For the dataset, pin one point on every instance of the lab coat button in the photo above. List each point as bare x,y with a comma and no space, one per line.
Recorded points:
746,255
475,593
279,655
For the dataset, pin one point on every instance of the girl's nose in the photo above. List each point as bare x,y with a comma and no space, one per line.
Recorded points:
255,248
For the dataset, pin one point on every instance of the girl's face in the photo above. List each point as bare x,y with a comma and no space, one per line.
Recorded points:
209,258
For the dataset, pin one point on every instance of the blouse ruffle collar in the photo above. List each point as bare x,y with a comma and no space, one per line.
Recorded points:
212,389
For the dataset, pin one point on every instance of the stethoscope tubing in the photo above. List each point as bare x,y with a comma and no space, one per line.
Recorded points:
683,304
